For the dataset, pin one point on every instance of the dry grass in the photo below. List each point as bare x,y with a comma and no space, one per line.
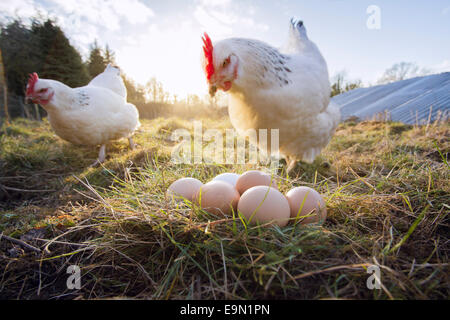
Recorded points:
387,193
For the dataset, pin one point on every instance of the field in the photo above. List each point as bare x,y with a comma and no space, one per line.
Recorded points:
386,186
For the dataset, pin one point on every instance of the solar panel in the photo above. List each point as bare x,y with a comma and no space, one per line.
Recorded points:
410,101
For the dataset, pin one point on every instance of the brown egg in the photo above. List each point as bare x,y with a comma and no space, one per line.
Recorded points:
254,178
263,204
217,197
311,203
183,188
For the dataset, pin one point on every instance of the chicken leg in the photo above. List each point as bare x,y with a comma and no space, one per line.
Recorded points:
292,163
132,144
101,156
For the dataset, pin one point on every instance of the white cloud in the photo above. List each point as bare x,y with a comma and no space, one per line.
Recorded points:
211,23
133,10
221,18
215,3
444,66
106,14
75,16
84,20
21,8
146,44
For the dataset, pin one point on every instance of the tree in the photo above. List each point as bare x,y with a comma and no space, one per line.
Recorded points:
110,56
135,93
193,100
341,84
155,91
5,89
353,85
21,55
42,48
96,63
401,71
99,59
59,59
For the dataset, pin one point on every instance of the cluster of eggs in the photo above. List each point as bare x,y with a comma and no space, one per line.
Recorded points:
255,195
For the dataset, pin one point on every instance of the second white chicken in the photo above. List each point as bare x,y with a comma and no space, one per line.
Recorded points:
91,115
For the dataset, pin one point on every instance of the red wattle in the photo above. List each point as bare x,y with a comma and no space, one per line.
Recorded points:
227,85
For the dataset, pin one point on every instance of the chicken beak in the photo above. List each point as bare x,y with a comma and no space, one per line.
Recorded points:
212,90
31,99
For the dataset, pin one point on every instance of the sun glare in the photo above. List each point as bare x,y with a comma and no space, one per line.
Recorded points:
172,56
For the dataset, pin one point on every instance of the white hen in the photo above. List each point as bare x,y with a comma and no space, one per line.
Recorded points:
91,115
285,89
110,79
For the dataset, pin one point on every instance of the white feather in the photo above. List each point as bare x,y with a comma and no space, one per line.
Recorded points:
110,79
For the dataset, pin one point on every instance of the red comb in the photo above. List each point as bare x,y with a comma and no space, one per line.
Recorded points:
208,51
31,82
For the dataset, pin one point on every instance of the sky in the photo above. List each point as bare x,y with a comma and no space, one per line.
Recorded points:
162,39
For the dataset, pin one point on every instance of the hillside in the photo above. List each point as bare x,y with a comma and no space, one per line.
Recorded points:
386,187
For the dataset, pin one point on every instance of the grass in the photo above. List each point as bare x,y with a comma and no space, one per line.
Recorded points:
386,188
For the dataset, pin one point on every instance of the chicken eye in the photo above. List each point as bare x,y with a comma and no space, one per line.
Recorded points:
225,62
42,90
